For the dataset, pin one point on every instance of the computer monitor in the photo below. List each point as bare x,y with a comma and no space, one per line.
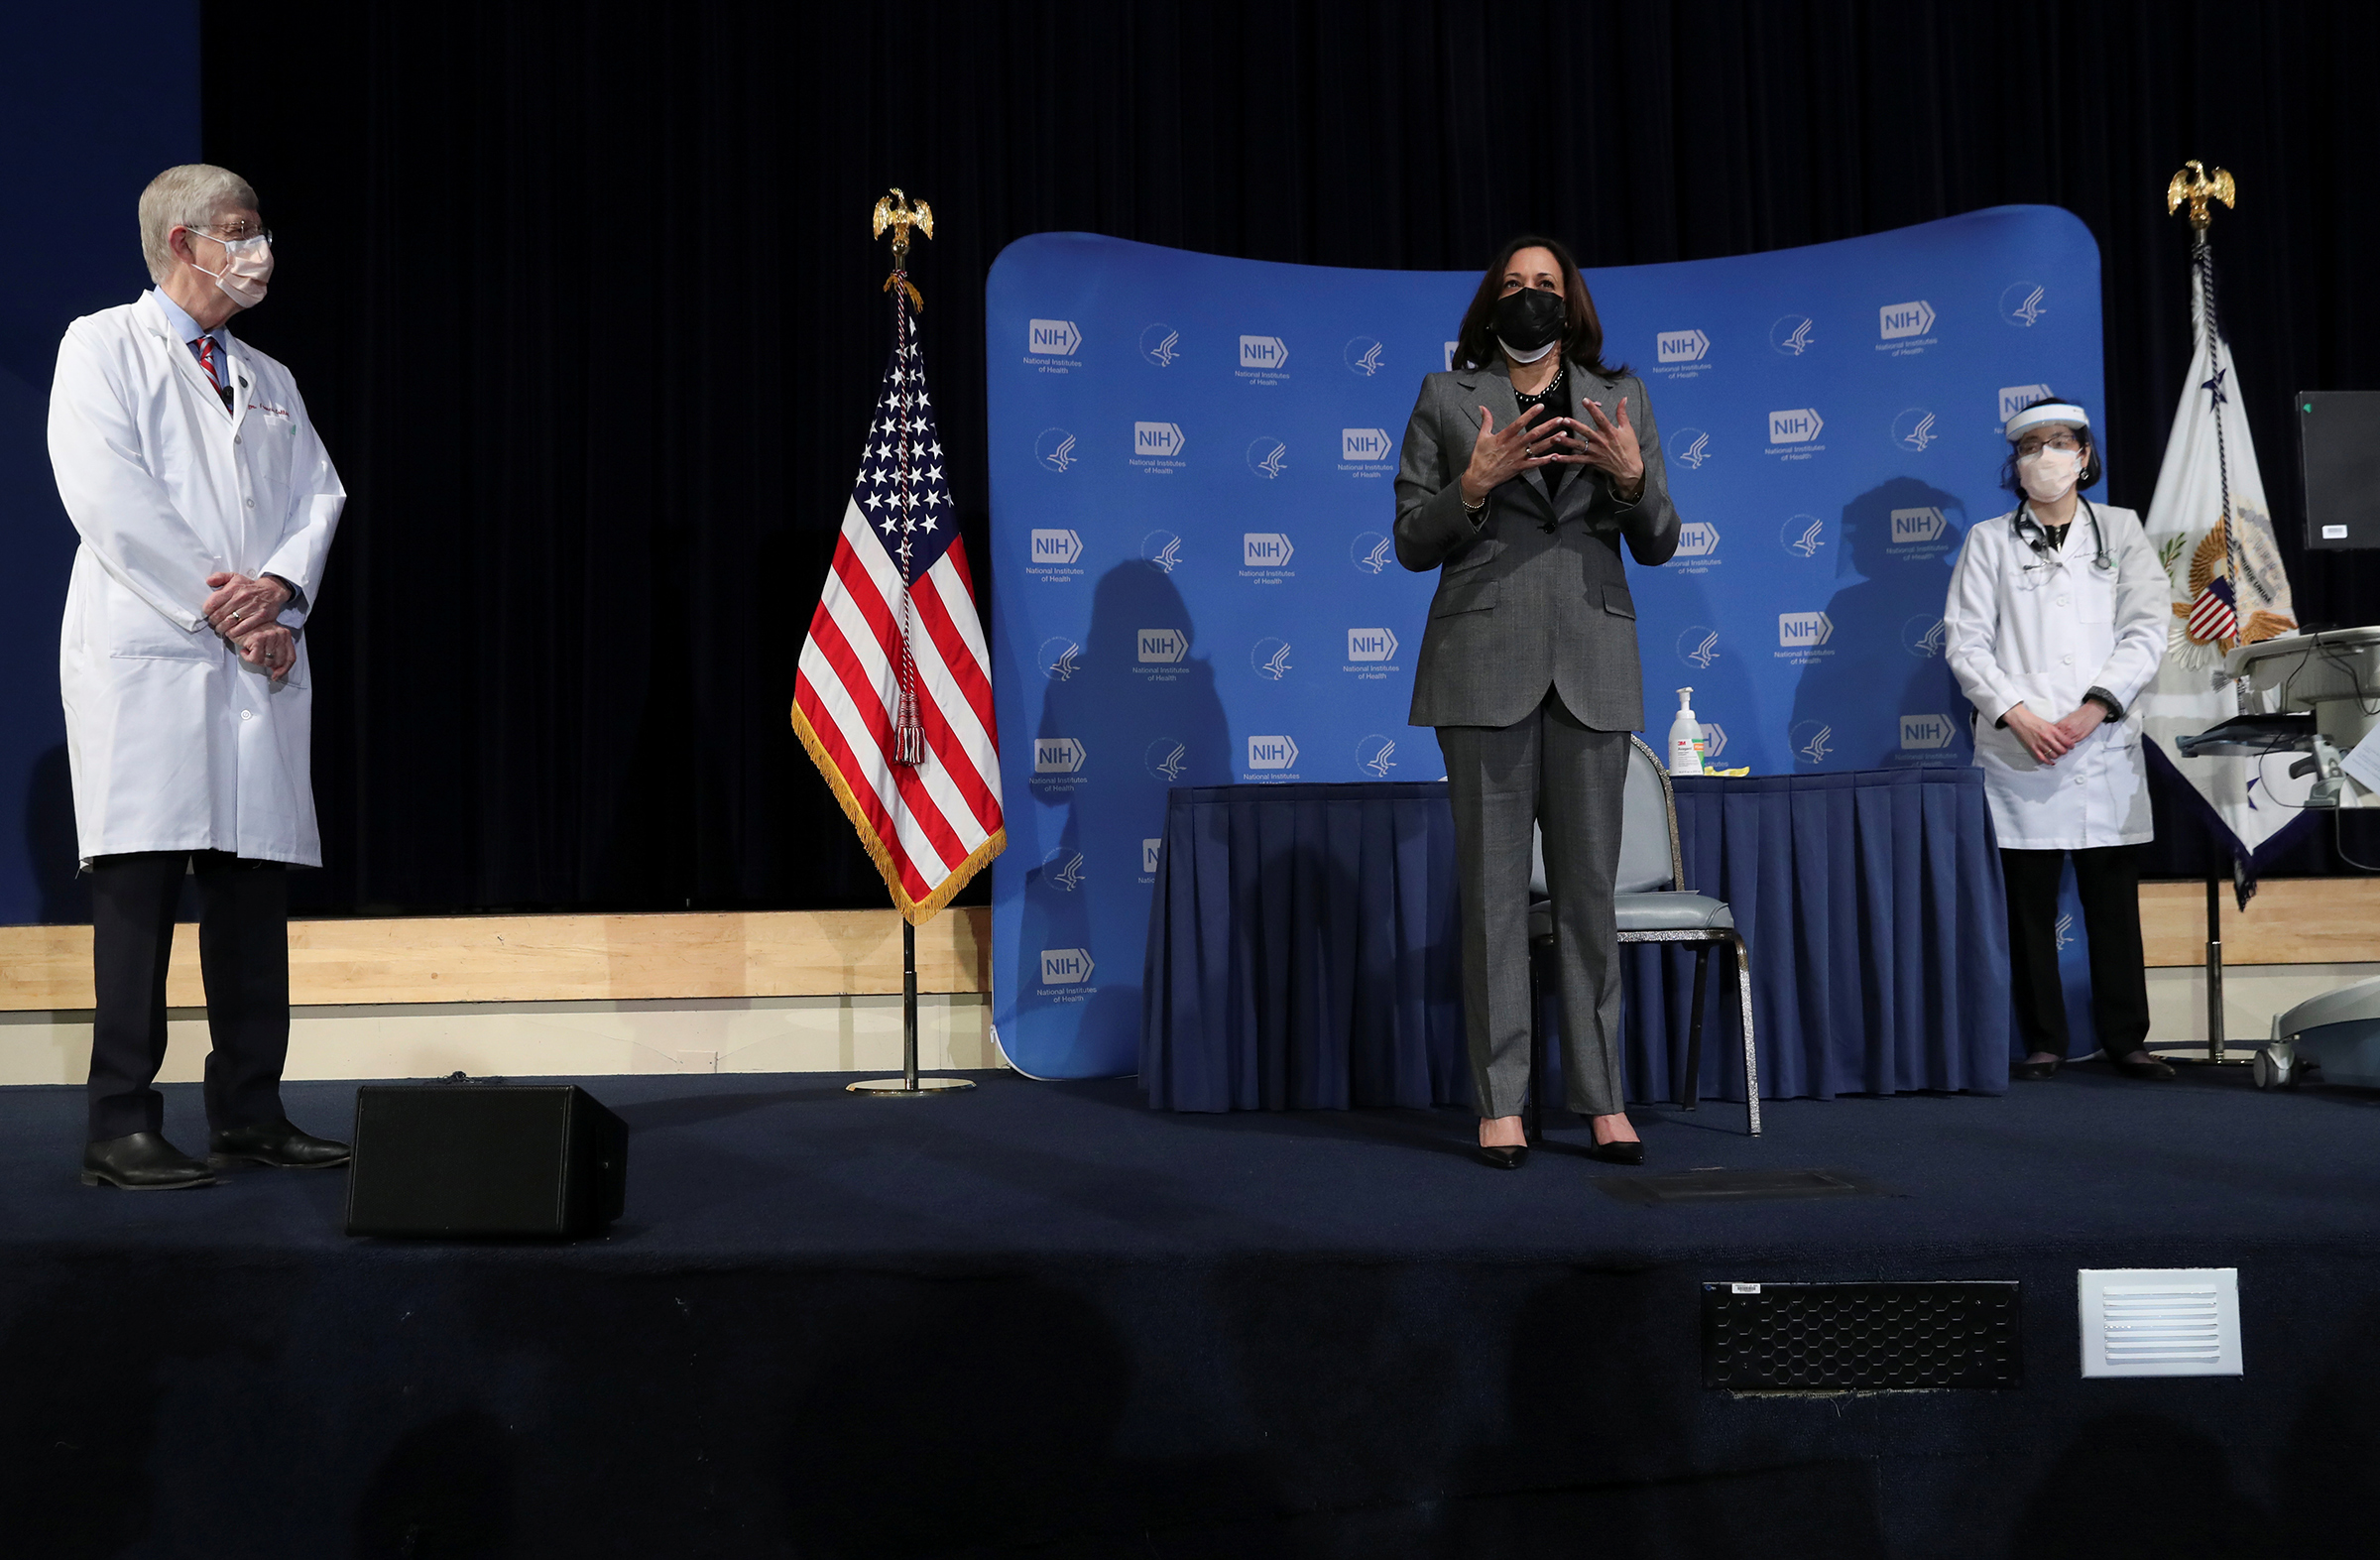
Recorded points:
2339,454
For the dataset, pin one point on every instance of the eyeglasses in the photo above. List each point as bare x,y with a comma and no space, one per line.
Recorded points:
2032,446
235,232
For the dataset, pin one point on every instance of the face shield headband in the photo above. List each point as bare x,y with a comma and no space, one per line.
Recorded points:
2051,412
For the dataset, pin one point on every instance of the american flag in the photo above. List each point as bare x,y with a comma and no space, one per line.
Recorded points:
897,630
2213,616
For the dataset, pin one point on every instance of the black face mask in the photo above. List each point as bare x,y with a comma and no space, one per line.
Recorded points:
1530,319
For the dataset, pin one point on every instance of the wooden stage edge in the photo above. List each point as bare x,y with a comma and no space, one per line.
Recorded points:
832,954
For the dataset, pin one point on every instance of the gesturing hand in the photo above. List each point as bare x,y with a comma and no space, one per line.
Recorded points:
1496,458
2047,741
1612,448
272,650
241,606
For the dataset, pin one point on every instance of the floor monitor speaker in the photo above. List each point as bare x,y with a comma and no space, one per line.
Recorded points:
450,1159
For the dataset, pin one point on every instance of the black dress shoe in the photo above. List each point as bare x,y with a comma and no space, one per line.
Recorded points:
276,1143
2034,1072
1511,1158
142,1163
1614,1152
2152,1068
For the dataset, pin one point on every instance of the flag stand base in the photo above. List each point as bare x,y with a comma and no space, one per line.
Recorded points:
908,1083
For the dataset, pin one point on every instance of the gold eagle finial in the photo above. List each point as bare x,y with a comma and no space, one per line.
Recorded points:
2195,185
900,214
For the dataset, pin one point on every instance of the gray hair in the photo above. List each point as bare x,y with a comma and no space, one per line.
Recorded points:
191,195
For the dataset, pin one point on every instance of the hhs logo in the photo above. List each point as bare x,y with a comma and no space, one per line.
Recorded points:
1271,658
1813,741
1914,428
2015,397
1693,447
1270,352
1158,438
1160,344
1699,645
1696,538
1803,536
1062,870
1055,549
1057,756
1364,356
1804,629
1376,754
1364,443
1162,646
1370,552
1166,759
1052,337
1798,425
1370,644
1681,346
1791,334
1264,550
1054,448
1919,732
1060,658
1896,322
1065,966
2020,305
1915,527
1268,457
1271,753
1923,635
1161,550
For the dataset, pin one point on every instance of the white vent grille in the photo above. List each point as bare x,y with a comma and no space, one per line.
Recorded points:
2160,1321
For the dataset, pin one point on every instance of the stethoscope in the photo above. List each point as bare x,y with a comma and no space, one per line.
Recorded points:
2039,540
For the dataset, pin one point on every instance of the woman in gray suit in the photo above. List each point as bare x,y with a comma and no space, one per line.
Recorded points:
1522,469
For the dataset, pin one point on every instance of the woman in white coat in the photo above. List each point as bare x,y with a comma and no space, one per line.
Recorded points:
206,505
2056,623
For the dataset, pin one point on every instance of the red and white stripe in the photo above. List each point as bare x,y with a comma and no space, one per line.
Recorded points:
931,826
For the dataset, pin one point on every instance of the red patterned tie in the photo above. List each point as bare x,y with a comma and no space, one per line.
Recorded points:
206,360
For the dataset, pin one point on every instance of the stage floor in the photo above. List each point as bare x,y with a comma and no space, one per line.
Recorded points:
1041,1318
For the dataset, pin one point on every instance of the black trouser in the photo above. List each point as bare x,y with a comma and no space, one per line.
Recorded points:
244,954
2109,882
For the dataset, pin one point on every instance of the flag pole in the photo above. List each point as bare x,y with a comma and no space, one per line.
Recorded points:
894,212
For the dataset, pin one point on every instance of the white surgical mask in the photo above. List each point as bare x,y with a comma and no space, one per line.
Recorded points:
2047,475
247,267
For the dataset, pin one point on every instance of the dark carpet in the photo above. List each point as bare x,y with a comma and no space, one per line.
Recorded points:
1039,1319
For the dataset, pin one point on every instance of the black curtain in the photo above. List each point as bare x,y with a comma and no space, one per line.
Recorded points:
583,300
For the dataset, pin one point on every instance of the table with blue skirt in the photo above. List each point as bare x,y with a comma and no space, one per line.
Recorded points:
1304,945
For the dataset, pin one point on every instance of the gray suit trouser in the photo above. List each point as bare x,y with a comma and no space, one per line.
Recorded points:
1503,780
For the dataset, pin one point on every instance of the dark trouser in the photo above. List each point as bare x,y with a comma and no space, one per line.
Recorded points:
2108,880
244,954
1502,780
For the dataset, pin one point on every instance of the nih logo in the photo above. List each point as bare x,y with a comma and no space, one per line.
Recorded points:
1149,851
1696,538
1264,550
1162,646
1268,352
1896,322
1911,526
1158,438
1065,966
1052,337
1804,629
1057,756
1364,443
1056,547
1796,426
1271,753
2015,397
1919,732
1370,644
1681,346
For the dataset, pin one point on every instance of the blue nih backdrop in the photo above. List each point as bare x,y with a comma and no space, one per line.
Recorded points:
1192,466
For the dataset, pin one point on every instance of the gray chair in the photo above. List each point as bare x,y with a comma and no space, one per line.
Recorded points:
1654,906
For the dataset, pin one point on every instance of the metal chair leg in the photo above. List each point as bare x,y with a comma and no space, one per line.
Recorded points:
1533,1111
1737,952
1691,1096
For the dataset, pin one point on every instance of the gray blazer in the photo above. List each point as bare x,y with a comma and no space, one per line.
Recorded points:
1534,596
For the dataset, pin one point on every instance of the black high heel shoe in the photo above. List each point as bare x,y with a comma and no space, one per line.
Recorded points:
1502,1158
1614,1152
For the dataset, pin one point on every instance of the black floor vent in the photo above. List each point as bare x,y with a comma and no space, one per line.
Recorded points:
1852,1337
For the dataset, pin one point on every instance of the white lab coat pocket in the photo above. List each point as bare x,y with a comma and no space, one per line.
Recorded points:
137,631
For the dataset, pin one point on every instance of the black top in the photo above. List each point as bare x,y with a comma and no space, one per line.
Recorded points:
1555,397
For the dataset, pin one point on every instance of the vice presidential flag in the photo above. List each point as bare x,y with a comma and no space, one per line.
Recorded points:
895,631
2210,528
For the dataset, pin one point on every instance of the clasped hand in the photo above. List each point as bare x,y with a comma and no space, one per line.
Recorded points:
1499,455
244,612
2050,740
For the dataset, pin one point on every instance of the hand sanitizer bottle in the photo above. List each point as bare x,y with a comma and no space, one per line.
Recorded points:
1684,738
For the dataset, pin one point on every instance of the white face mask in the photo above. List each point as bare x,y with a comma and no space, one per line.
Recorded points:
247,267
2047,475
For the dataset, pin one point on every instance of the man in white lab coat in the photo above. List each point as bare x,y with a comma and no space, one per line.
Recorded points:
2056,622
207,507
